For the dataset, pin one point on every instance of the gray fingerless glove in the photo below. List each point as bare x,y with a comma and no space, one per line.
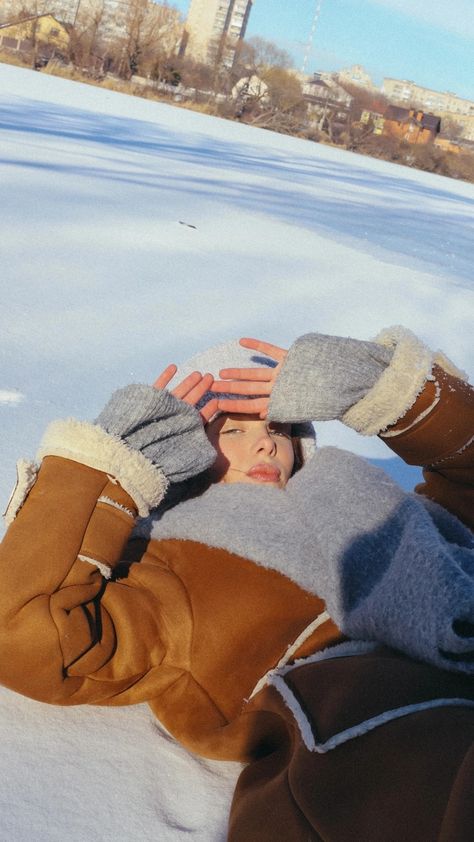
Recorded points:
166,430
323,376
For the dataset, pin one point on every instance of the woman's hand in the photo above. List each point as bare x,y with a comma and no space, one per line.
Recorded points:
257,382
191,390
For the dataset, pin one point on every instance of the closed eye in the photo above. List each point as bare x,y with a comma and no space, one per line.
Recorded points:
282,433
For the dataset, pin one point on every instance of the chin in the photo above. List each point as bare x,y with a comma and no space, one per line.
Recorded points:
253,481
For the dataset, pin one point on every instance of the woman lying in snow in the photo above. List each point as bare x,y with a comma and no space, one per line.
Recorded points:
291,609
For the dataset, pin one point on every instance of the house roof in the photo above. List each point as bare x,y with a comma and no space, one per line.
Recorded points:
406,115
317,83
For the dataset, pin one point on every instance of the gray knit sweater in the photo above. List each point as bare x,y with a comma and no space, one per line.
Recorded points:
391,566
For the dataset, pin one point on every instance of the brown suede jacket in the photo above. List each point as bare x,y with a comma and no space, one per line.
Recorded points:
192,639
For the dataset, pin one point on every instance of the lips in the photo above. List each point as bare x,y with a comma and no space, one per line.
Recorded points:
264,473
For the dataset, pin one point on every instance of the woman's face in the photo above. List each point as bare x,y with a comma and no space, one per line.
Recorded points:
251,450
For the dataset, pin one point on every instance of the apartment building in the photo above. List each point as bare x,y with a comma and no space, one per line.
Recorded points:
406,91
355,75
215,26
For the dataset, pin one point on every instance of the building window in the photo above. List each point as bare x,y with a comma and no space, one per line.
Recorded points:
10,42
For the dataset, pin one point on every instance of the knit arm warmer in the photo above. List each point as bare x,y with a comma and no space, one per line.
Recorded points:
323,376
168,431
368,386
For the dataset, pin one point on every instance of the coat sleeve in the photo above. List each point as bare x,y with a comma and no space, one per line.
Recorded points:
67,629
437,433
422,407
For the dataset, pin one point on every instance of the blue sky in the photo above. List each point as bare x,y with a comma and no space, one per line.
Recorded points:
428,41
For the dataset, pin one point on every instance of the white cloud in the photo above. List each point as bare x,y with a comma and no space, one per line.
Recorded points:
456,16
10,398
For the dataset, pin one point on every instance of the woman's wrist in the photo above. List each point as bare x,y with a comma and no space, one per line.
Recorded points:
323,376
165,429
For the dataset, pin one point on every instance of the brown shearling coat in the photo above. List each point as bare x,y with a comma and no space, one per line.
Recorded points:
194,639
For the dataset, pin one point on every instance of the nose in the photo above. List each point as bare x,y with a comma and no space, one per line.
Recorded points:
265,443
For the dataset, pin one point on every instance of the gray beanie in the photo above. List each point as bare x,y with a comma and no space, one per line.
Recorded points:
233,355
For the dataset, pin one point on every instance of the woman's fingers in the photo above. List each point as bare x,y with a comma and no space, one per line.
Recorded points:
209,410
162,381
189,382
273,351
198,390
241,387
263,374
252,381
250,406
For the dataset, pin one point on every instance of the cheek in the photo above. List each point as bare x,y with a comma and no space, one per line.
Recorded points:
229,451
287,456
228,456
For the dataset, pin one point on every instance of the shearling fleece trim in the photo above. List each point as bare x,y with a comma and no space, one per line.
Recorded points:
26,473
294,706
109,502
398,387
92,446
346,649
292,648
445,363
104,568
429,409
309,738
349,648
453,455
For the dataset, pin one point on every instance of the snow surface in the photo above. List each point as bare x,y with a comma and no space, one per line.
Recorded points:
133,234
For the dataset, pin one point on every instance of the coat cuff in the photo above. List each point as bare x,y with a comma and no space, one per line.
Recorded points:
398,387
92,446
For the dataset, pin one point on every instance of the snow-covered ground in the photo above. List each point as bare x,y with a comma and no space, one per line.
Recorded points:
133,234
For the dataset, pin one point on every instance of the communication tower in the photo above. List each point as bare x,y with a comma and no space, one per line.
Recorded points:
309,45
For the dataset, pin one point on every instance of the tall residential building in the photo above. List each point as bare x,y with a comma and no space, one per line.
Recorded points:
214,27
404,91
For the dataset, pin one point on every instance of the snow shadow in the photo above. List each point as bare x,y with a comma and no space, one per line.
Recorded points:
370,205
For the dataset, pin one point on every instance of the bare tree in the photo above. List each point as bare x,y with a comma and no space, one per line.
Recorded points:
364,100
86,49
161,42
258,53
451,129
151,35
279,103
